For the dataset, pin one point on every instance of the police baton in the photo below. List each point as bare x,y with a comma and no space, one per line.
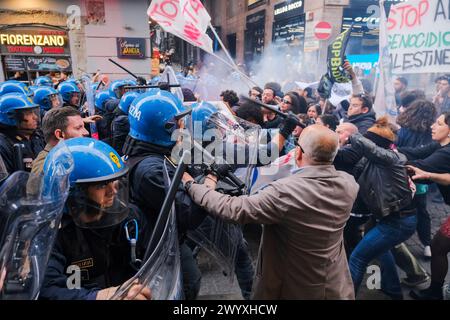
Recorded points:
162,86
124,69
271,108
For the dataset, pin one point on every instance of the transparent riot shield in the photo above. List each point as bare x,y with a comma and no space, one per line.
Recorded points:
30,212
161,271
90,100
236,143
170,78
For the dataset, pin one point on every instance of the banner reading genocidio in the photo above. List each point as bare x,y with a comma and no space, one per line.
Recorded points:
419,36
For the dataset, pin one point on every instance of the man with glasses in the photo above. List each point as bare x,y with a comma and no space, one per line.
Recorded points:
360,112
302,254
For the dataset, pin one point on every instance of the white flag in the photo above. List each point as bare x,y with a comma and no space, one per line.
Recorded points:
187,19
385,94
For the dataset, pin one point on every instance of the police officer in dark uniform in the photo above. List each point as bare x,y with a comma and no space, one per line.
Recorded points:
153,119
120,126
107,108
20,137
70,93
96,235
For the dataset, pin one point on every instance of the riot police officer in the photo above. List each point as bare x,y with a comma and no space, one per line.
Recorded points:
20,137
47,98
153,120
11,86
120,126
94,235
43,81
70,93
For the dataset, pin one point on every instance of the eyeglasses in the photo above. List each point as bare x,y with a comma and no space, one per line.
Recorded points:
298,145
286,102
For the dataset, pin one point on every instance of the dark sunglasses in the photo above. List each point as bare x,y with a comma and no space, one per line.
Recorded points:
286,102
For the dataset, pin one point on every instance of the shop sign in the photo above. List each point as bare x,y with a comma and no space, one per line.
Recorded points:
28,41
131,48
14,63
288,9
48,63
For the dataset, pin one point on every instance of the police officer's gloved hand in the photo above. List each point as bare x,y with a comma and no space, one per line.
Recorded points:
221,171
141,81
288,125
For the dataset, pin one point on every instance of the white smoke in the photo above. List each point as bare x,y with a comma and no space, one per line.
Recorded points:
282,65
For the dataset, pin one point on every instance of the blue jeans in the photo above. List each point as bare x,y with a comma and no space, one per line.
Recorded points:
376,244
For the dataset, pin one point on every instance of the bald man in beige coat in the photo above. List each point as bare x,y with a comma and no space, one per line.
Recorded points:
302,254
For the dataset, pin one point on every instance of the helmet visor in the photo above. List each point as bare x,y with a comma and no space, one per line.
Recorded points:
55,101
99,205
28,119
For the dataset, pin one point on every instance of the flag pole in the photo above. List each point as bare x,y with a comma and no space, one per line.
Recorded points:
221,44
233,64
234,67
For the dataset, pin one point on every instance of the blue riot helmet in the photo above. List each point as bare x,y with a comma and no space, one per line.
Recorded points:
98,196
101,98
154,117
126,100
15,86
201,119
70,93
43,81
47,98
116,89
13,107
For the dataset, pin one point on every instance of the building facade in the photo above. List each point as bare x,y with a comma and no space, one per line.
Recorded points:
248,27
42,36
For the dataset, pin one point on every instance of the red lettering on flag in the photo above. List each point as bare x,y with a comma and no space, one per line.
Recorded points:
192,32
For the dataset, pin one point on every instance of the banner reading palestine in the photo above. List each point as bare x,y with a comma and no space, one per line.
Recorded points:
419,36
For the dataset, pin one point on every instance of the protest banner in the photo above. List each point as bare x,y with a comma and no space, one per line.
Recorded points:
187,19
419,36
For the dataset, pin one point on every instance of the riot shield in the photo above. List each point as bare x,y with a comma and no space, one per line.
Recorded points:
161,271
236,143
90,99
30,212
170,78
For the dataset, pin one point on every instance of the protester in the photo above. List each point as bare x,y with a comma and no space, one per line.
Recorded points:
360,112
306,266
385,192
328,120
400,86
58,124
435,157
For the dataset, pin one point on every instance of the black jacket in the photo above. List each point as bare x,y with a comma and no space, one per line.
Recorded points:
363,121
147,188
383,179
31,148
103,255
432,158
120,128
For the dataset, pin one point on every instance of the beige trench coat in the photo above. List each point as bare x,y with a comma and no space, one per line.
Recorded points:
302,254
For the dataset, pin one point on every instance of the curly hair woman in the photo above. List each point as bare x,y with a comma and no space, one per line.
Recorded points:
435,157
415,131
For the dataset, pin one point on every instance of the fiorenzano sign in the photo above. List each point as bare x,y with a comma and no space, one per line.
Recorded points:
34,41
